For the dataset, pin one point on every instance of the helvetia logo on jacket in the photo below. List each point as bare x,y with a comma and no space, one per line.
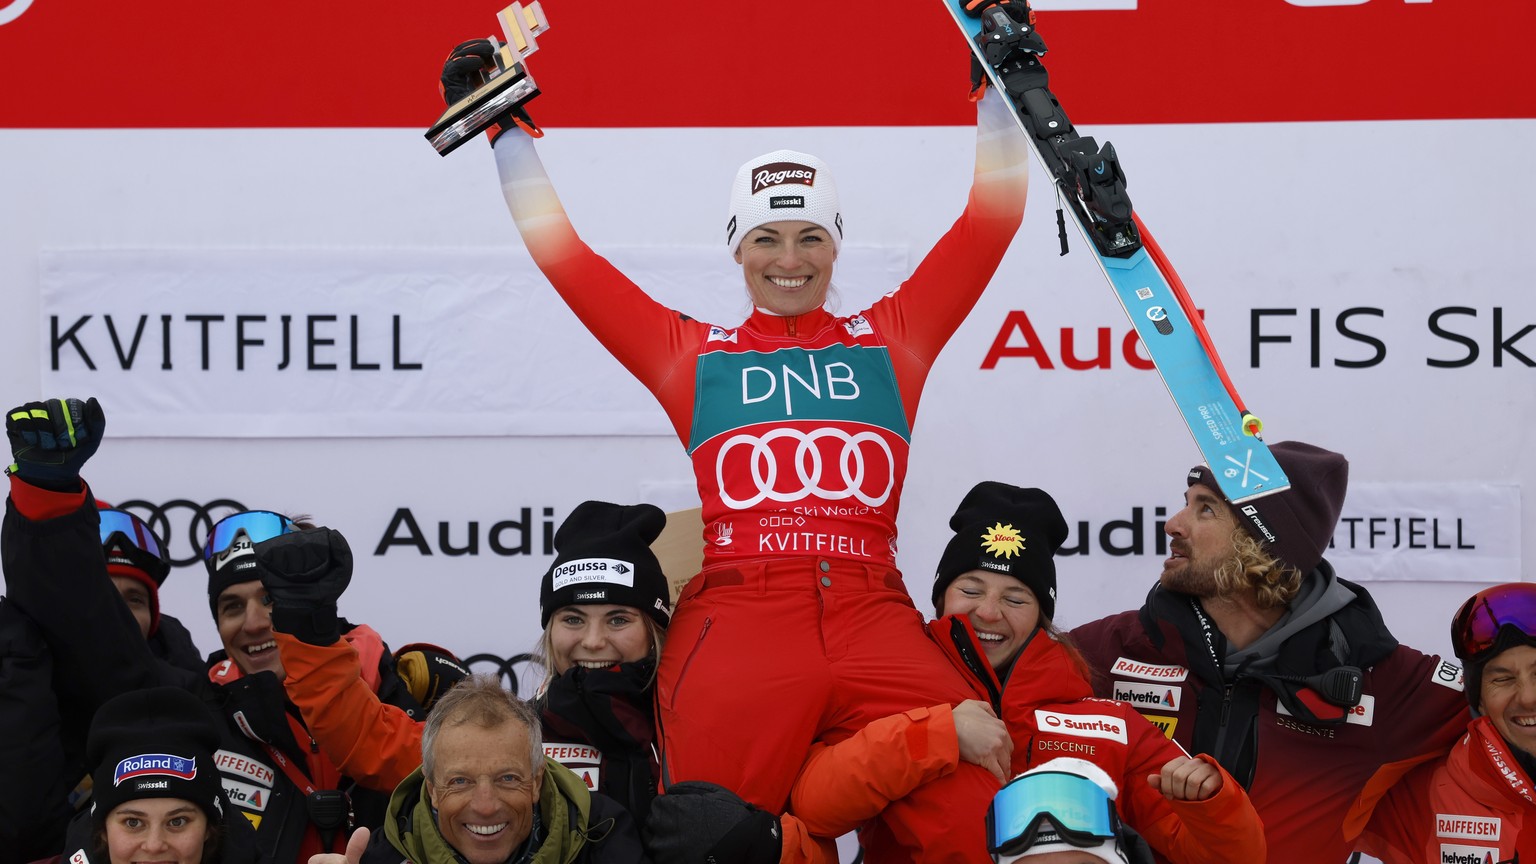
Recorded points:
1159,696
245,795
1454,854
1081,725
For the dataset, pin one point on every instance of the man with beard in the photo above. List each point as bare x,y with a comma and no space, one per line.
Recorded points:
1252,650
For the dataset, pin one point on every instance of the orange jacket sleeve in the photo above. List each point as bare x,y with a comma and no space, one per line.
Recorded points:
843,785
1222,828
801,847
377,745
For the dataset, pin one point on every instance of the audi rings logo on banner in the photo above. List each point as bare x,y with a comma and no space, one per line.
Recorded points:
505,668
182,524
815,480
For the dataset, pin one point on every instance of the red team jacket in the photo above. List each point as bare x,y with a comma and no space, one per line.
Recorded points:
1475,806
1050,712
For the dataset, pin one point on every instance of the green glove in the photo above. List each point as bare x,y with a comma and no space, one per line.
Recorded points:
51,441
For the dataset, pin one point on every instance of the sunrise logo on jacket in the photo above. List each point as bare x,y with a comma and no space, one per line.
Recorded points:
1081,725
161,764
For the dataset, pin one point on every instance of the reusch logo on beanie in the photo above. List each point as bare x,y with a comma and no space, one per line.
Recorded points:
1296,524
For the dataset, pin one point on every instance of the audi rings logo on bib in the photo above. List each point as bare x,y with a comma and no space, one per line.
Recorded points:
789,465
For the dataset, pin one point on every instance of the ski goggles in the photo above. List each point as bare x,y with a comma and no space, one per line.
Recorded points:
1074,809
256,525
1475,629
129,529
127,540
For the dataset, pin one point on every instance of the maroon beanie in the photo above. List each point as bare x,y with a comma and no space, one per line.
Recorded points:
1295,525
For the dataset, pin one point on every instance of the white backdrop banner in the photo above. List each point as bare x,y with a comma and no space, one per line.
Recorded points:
1429,532
364,342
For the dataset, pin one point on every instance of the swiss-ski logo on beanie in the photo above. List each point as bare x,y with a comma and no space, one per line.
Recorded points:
161,764
779,173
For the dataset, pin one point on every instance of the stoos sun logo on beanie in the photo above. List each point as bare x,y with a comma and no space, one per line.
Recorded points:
1002,541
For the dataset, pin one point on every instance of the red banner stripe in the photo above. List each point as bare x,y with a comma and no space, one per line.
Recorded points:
178,63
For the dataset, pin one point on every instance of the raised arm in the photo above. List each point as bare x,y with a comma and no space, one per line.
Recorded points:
918,319
372,742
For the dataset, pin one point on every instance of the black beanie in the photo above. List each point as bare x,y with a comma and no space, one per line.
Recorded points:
154,743
232,566
1295,525
603,556
1008,530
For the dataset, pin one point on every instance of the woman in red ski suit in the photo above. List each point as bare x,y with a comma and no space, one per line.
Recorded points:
997,581
798,423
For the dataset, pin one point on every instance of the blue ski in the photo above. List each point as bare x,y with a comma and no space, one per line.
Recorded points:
1089,178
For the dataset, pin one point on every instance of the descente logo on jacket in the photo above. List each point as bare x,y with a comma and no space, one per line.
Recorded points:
1081,725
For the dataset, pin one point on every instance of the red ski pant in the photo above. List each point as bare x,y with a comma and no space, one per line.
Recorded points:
764,658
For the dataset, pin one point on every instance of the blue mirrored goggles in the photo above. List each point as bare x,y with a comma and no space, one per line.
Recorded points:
131,529
257,525
1075,809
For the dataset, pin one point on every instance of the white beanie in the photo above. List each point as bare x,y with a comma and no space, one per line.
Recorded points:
783,186
1047,840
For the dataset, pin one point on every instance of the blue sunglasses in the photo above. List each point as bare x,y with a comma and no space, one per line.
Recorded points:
258,525
131,529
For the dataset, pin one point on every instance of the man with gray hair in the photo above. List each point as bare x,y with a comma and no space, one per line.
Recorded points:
486,794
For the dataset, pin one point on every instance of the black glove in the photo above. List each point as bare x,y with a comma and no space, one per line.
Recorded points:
701,823
51,440
464,72
304,574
